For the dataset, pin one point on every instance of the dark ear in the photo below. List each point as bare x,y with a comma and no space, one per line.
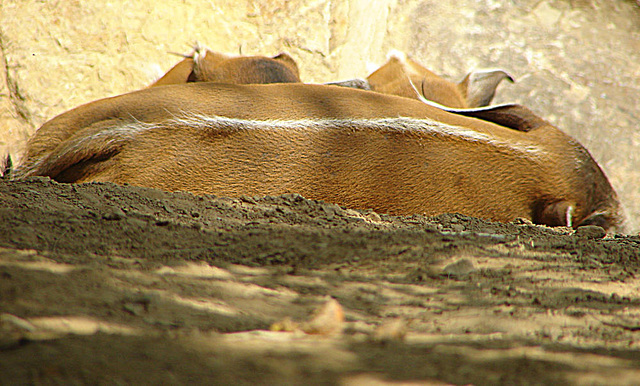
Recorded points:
557,214
289,62
479,87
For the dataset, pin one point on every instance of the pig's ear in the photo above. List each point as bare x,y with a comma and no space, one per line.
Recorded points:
558,214
204,63
180,73
479,87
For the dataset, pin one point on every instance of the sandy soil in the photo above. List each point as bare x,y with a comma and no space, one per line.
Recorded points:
106,284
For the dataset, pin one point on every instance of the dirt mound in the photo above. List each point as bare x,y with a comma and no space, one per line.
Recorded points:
108,283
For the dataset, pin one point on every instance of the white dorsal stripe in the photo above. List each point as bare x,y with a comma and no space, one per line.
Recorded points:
389,124
128,131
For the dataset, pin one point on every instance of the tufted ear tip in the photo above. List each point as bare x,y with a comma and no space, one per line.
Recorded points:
361,84
397,55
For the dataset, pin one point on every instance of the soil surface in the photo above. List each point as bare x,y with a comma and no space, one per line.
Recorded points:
103,283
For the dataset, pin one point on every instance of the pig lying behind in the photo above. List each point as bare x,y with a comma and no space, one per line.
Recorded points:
204,65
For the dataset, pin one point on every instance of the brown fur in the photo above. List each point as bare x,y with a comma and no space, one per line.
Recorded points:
208,66
405,77
359,165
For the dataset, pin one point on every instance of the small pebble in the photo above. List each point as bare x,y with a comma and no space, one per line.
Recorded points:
460,268
457,227
114,214
522,221
285,325
591,232
391,330
327,320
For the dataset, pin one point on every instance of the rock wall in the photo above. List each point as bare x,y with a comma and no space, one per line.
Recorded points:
577,63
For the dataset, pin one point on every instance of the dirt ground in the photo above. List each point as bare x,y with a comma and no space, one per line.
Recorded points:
107,284
110,284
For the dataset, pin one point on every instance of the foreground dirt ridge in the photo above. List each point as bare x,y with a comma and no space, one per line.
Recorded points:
103,281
